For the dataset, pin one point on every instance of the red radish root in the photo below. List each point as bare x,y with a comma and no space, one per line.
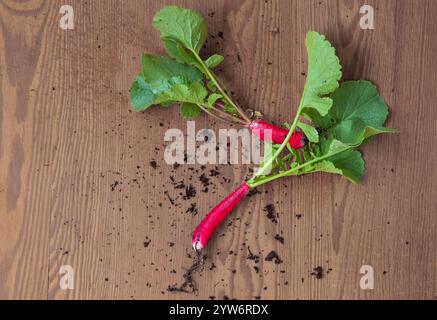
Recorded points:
258,128
209,224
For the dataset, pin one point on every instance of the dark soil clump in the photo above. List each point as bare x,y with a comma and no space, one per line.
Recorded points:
273,256
271,213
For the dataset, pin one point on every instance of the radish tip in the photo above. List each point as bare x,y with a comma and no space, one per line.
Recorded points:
197,246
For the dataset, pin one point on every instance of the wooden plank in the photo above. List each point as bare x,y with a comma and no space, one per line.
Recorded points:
77,187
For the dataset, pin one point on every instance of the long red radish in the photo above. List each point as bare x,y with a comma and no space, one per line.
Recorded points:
209,224
278,134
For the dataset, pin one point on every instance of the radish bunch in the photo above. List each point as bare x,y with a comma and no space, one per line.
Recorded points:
330,123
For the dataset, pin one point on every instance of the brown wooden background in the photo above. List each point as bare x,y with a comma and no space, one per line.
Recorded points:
67,134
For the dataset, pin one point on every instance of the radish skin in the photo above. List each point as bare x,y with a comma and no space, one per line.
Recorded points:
278,135
209,224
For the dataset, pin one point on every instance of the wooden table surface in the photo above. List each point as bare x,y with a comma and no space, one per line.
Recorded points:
77,187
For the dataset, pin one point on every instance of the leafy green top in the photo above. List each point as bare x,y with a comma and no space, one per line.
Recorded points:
346,116
335,119
186,79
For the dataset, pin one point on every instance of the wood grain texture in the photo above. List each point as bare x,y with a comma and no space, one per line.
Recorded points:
67,134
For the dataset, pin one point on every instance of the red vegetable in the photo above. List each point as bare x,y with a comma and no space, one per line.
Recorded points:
278,134
209,224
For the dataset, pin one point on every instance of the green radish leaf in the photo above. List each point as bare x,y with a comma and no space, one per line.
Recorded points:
177,51
184,26
309,131
325,166
214,60
358,100
357,113
161,72
212,99
354,132
344,160
349,164
194,93
167,103
160,81
141,95
211,86
317,120
190,110
331,146
324,72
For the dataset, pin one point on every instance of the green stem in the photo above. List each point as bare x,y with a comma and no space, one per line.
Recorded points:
219,87
206,109
294,171
268,164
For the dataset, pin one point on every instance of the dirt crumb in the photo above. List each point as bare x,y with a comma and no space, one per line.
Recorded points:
271,213
279,238
273,256
318,272
153,164
192,209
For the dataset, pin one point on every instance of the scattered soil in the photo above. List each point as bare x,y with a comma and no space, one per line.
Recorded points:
279,238
192,209
147,242
318,272
190,192
271,213
114,185
253,192
214,173
172,202
251,256
205,182
273,256
153,164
